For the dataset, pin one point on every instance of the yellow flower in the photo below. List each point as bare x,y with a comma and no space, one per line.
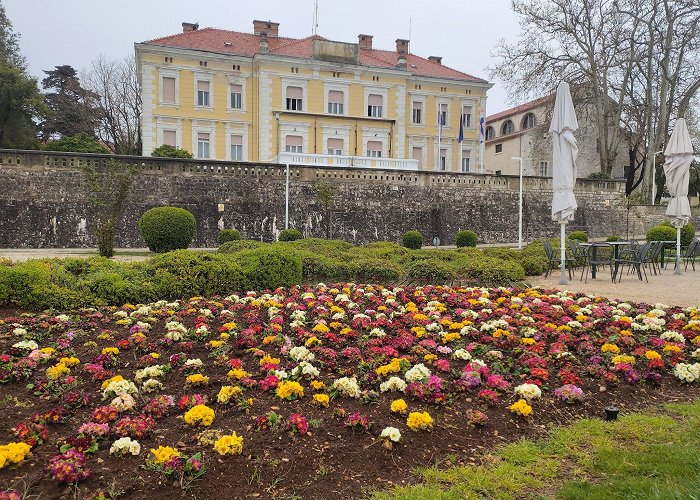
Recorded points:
229,326
521,408
56,371
528,341
13,453
449,337
197,379
163,453
651,355
154,355
419,421
345,331
227,392
430,357
230,444
320,328
289,390
317,384
312,341
269,339
224,336
237,373
267,359
420,317
216,343
607,347
622,358
47,350
321,400
672,348
393,367
399,406
199,415
116,378
110,350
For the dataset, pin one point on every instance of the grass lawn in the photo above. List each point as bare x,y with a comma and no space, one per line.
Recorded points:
654,455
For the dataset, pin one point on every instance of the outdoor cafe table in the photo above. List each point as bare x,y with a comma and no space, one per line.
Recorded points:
593,247
666,244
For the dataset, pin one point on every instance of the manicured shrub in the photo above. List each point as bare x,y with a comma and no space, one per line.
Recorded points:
412,239
661,233
614,237
290,235
167,151
226,235
240,245
270,267
322,246
80,143
39,284
377,271
465,238
435,272
579,235
488,271
167,228
687,232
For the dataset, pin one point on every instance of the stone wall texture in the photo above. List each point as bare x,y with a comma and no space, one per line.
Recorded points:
43,202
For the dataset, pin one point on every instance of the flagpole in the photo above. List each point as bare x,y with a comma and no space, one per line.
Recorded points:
482,134
437,157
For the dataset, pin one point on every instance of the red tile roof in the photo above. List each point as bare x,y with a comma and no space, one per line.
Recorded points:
248,44
519,109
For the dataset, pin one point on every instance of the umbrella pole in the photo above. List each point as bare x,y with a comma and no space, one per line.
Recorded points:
563,278
678,252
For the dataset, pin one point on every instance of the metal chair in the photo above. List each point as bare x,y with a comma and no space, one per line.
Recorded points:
635,259
594,257
691,251
653,256
554,261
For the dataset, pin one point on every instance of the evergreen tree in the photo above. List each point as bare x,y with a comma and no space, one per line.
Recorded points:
72,109
9,43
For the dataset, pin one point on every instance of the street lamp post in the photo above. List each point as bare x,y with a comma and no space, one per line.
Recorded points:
286,200
520,204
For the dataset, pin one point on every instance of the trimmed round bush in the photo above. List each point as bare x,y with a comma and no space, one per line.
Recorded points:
614,237
579,235
465,238
687,232
290,235
434,272
167,151
270,267
226,235
167,228
412,239
661,233
240,245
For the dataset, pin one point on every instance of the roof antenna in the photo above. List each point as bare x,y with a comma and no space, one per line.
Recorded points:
409,29
314,27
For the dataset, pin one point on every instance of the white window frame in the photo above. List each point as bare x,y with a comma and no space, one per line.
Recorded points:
375,134
440,102
471,104
466,161
204,77
295,82
201,146
168,123
327,87
242,83
336,131
544,164
293,128
422,112
374,153
204,126
169,73
237,128
382,91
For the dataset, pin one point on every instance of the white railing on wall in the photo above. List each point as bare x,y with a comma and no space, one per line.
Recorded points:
347,161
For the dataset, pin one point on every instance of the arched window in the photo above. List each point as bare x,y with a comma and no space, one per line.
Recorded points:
507,127
490,134
528,121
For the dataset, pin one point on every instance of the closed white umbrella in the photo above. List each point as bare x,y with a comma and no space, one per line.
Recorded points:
564,153
679,156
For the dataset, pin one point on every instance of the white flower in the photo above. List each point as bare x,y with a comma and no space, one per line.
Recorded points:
393,384
29,345
377,332
528,391
19,331
673,337
141,311
695,354
121,314
63,318
124,446
687,372
347,387
301,353
153,385
202,330
306,369
462,354
391,433
123,402
154,371
418,373
193,363
280,374
119,387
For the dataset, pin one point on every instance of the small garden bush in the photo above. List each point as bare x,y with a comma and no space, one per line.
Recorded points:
579,235
167,228
687,232
661,233
614,237
465,238
290,235
240,245
430,271
80,143
270,267
412,239
167,151
226,235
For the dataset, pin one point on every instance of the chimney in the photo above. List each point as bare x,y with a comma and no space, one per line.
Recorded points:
365,41
268,27
187,27
401,63
401,46
435,59
263,43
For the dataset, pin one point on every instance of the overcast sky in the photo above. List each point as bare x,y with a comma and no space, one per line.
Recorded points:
74,32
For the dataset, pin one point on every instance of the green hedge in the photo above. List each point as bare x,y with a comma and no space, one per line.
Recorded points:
290,235
270,267
465,238
430,271
661,233
167,228
240,245
226,235
412,239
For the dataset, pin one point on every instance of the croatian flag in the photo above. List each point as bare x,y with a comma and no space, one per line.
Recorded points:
441,122
482,119
461,131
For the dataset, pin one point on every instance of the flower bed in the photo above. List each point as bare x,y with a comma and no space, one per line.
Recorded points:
314,390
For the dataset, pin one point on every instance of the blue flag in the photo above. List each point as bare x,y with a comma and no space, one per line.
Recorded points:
461,130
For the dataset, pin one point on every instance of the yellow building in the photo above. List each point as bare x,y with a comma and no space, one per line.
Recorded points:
227,95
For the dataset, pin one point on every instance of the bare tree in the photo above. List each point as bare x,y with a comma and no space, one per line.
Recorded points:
120,103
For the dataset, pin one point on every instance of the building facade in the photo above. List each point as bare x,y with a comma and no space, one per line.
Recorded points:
228,95
523,132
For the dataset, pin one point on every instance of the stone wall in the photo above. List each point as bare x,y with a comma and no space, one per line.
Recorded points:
43,202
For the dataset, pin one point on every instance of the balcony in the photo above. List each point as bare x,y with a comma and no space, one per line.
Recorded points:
347,161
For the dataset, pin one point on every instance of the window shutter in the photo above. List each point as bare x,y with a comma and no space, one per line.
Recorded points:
168,89
467,110
169,137
236,140
236,89
202,86
294,93
294,140
374,146
374,100
335,97
203,136
335,144
417,105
